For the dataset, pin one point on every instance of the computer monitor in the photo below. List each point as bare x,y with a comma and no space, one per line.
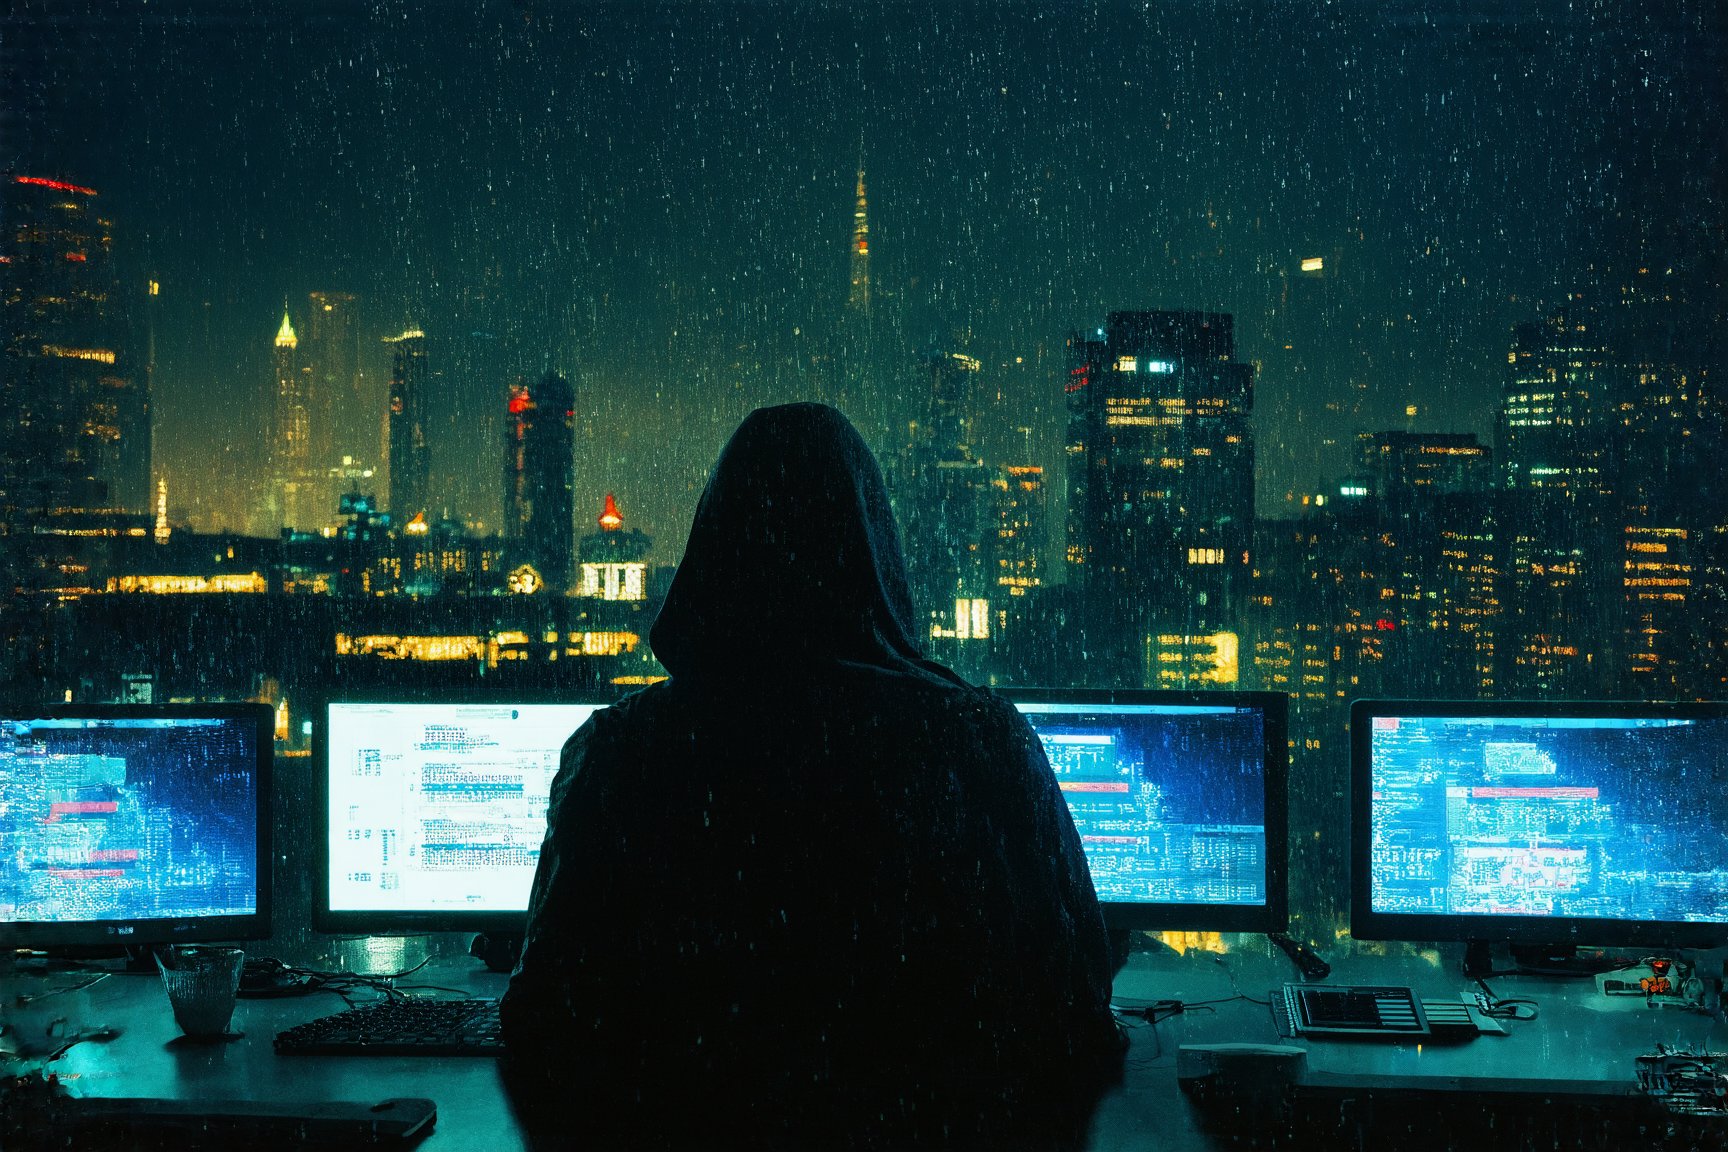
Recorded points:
1179,799
1540,823
433,812
135,825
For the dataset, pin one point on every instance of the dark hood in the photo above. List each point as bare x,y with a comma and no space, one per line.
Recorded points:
793,557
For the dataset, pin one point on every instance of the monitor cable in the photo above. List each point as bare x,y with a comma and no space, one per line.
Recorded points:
1504,1008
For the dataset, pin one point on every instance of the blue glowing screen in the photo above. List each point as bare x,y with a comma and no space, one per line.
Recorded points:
1603,818
1169,800
128,819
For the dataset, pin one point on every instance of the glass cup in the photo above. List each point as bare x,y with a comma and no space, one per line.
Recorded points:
201,981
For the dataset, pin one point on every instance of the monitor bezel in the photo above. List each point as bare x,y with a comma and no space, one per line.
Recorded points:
379,922
50,936
1273,915
1367,924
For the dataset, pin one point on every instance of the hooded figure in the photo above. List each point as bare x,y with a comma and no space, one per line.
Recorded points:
812,890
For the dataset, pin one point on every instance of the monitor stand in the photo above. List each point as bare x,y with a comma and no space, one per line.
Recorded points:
1554,960
1478,959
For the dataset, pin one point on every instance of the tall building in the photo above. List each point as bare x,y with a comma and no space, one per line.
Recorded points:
1553,429
614,559
1161,496
865,353
1556,449
297,480
410,456
343,425
539,477
77,401
1022,509
1396,465
858,298
945,506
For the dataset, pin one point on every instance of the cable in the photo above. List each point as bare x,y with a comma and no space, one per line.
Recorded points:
1511,1008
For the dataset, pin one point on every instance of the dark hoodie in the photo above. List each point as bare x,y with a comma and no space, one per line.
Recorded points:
813,889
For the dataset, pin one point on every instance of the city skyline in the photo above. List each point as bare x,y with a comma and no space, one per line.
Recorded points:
671,230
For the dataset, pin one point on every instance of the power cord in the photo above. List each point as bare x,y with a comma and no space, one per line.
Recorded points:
1509,1008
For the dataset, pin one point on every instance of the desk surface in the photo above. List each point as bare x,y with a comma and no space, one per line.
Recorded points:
1578,1035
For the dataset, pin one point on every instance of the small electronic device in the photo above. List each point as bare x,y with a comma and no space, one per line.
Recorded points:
400,1028
1542,825
1658,981
1179,799
433,812
1377,1012
1340,1010
133,825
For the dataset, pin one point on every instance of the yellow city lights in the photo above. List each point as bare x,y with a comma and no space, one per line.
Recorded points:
249,582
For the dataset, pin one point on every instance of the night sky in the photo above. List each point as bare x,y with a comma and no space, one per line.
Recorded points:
656,200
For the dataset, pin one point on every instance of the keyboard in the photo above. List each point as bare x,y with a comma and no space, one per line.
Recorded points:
400,1028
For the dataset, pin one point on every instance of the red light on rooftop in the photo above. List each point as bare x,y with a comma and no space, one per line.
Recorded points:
519,403
1385,625
61,185
611,519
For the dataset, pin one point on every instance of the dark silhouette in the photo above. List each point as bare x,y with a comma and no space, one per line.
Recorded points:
813,890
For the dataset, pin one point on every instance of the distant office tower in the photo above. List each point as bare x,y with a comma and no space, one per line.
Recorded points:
1394,465
615,559
77,402
1671,488
539,476
945,507
858,299
1022,509
297,481
1555,453
1161,495
342,424
866,354
410,457
1554,420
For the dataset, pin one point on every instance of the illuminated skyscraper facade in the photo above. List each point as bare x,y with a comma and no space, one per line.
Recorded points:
1160,496
406,423
614,559
858,298
77,402
1555,454
343,425
539,477
297,481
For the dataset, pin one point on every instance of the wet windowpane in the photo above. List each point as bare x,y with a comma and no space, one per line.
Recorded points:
1341,350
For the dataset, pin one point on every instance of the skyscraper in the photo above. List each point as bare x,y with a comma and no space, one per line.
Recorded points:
1555,453
296,480
410,458
1161,495
864,357
77,403
614,559
539,476
342,424
858,299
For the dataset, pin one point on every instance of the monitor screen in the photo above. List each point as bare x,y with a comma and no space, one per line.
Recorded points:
1178,799
1541,823
435,812
135,825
